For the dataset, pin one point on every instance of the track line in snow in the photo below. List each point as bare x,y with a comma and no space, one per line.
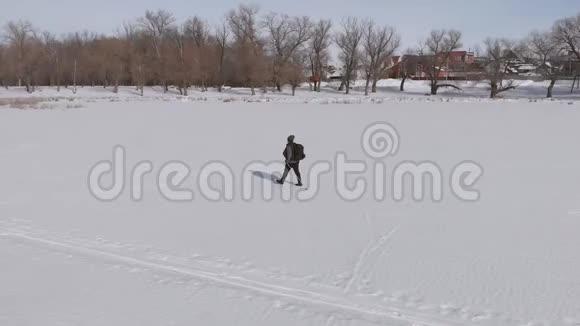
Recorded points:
343,305
358,267
367,255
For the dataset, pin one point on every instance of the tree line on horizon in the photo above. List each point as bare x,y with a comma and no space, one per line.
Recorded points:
247,49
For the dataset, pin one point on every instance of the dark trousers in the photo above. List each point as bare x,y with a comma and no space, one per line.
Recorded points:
295,168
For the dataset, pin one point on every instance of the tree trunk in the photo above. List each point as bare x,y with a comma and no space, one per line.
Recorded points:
58,82
367,86
494,92
551,88
434,89
374,86
293,90
75,77
278,87
253,90
28,86
403,82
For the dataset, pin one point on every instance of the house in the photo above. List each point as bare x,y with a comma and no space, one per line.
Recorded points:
416,67
337,73
464,65
571,64
461,58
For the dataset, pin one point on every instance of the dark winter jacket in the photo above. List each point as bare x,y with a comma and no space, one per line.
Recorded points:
288,152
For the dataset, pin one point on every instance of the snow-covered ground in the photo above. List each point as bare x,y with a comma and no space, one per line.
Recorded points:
387,91
509,259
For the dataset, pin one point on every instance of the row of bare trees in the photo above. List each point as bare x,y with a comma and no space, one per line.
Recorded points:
254,51
245,49
551,53
554,54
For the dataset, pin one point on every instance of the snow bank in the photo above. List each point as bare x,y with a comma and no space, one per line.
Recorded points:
388,91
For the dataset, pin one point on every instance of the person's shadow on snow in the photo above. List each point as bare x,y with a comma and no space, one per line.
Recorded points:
265,175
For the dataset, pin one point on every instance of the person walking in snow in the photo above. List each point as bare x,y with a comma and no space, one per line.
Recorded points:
293,154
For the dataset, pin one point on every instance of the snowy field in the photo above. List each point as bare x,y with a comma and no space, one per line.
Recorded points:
387,91
510,258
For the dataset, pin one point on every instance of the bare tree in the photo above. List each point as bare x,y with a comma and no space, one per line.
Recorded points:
222,34
157,26
135,55
3,66
439,46
250,63
545,49
109,61
295,68
74,77
379,43
198,31
117,62
20,35
567,33
409,63
500,54
180,66
53,52
319,44
77,52
348,41
81,53
286,36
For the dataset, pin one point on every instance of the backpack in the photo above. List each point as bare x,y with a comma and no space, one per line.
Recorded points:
298,152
